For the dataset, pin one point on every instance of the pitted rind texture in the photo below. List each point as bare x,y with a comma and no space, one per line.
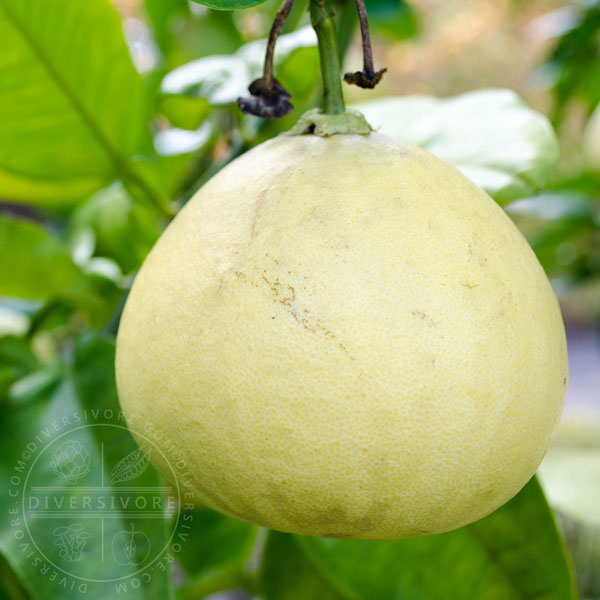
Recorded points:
344,337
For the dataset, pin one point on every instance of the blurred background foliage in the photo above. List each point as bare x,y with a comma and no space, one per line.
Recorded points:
101,142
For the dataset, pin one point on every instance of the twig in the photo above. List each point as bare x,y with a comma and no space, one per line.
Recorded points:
278,23
368,77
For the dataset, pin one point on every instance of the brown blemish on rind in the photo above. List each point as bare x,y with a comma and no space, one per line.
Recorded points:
425,317
285,294
314,325
257,208
244,278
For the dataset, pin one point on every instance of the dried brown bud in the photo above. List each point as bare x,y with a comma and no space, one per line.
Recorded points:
269,104
363,79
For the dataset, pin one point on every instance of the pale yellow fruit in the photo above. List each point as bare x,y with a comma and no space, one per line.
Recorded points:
344,337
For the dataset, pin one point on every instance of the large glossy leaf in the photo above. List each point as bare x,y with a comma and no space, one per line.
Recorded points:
223,79
47,192
514,553
62,436
72,107
497,141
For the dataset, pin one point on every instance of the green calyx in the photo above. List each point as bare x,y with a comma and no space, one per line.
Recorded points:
316,122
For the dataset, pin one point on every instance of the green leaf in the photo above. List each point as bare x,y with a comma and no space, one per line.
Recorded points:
395,19
560,225
72,106
203,33
43,191
573,74
229,4
212,541
221,80
123,230
184,34
498,142
16,354
185,112
16,361
76,404
41,268
161,15
514,553
11,586
168,174
286,562
213,550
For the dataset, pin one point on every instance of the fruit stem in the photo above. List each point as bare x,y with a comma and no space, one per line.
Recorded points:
321,16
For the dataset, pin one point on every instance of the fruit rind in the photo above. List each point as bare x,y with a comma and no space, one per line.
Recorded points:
344,337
